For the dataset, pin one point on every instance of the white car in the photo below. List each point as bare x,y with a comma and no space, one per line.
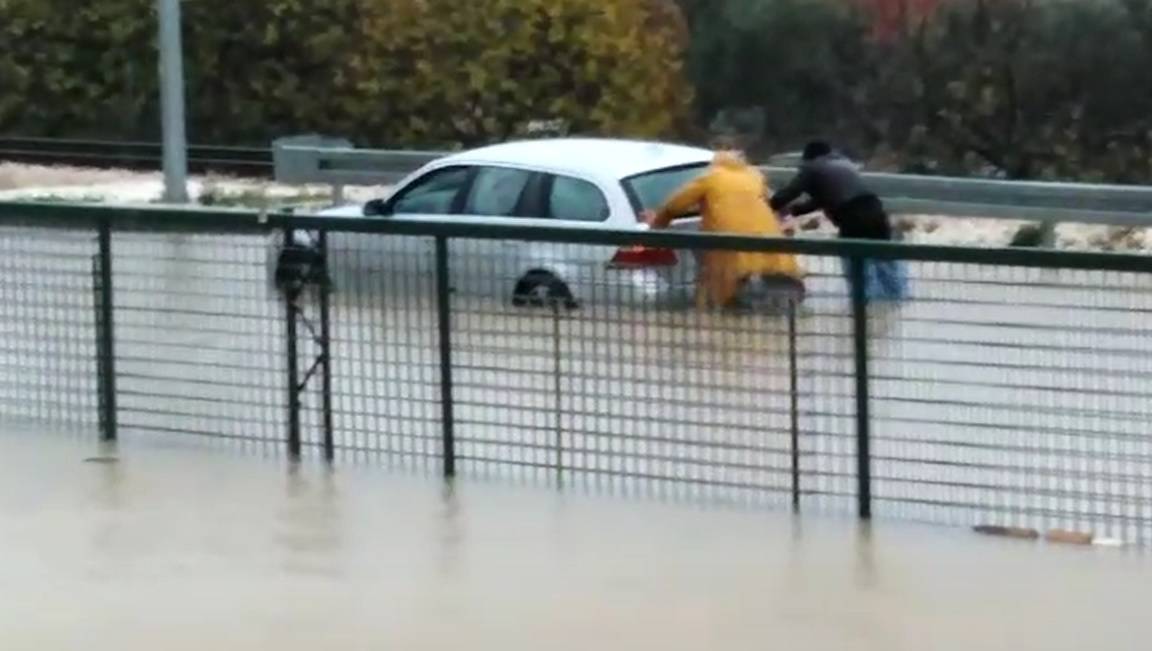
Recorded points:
577,182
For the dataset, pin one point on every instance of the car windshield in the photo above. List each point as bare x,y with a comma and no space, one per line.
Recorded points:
651,189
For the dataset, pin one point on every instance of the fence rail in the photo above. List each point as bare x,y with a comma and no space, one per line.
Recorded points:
1012,388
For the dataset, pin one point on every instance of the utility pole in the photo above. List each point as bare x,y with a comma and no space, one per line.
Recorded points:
172,102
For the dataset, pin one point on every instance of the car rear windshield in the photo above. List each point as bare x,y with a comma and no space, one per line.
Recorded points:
649,190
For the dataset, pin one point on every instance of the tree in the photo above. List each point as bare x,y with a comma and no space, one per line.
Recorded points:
892,19
423,73
794,65
1023,86
474,72
74,68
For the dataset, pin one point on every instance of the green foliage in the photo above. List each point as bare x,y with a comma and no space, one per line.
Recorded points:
785,68
1028,235
470,72
1023,88
389,72
69,67
1033,89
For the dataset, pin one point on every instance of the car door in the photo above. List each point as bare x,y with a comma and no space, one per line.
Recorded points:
574,202
495,195
649,190
407,262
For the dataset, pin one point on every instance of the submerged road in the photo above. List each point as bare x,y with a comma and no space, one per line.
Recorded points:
999,395
179,548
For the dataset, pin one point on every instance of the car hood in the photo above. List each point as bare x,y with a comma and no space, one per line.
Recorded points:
352,210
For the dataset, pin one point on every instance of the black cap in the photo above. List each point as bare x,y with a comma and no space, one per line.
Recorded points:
816,149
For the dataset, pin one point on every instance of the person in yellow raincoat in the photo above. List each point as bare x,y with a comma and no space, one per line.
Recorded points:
731,197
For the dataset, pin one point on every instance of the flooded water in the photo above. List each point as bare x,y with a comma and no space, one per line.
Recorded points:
176,547
1006,396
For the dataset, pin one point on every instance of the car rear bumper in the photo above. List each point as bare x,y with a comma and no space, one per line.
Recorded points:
643,287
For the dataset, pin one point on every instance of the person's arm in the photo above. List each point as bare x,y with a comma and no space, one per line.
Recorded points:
798,186
680,203
802,208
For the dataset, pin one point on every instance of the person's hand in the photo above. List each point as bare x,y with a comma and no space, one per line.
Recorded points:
648,217
787,226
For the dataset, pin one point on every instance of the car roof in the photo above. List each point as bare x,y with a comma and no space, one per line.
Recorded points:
588,156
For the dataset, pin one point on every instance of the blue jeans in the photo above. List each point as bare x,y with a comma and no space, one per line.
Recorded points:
884,280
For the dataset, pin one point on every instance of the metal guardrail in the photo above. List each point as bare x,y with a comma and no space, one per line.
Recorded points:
296,163
347,166
1011,389
1026,200
133,155
903,193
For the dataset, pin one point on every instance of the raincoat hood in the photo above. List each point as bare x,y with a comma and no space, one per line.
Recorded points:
729,159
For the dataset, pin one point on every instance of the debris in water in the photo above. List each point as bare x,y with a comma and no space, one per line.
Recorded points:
1068,537
1108,542
1009,532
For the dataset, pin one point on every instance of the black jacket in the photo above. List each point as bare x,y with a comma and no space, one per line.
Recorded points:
833,184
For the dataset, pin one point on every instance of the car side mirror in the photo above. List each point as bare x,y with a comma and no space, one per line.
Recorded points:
375,208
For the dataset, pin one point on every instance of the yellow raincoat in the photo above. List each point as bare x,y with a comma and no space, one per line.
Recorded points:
730,196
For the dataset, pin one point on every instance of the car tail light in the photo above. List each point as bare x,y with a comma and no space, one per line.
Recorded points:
636,257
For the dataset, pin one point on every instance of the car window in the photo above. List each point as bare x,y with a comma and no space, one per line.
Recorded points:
651,189
496,191
576,200
434,194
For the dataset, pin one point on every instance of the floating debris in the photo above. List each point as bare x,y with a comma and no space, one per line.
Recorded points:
1008,532
101,460
1108,542
1069,537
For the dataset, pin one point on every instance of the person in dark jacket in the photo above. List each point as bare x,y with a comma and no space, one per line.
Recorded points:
831,182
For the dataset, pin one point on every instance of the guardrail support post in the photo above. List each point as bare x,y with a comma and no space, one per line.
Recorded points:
1047,234
105,333
444,320
858,285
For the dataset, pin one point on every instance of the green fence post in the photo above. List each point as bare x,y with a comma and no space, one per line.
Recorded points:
444,322
794,404
291,294
857,280
105,332
325,290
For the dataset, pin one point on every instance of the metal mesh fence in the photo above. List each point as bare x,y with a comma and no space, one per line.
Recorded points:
48,346
826,376
1016,396
998,394
386,380
199,338
610,378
